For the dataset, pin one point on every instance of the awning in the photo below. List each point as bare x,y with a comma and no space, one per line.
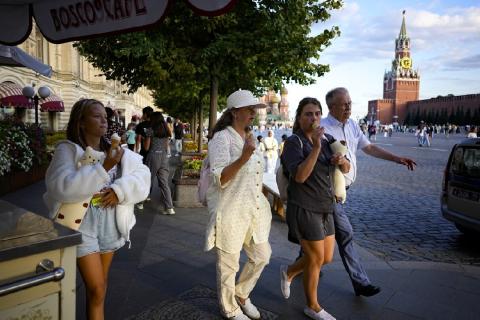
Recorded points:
66,20
16,57
11,94
52,103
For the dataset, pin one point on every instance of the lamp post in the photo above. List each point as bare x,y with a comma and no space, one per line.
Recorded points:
29,92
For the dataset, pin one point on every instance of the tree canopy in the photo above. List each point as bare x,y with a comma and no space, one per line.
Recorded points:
260,43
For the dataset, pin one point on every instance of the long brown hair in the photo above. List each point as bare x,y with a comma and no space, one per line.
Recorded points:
159,126
74,131
225,120
301,105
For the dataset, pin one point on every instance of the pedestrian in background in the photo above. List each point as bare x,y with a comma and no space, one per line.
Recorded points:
170,127
260,145
131,135
113,126
156,143
280,148
178,132
472,133
141,131
271,152
239,213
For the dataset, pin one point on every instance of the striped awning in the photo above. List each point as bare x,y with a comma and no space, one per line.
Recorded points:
52,103
11,94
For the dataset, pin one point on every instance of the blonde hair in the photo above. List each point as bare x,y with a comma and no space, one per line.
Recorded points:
74,131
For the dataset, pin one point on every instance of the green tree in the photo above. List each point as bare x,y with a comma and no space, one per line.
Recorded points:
451,117
476,116
436,117
236,50
407,119
459,116
468,117
423,117
443,119
256,121
430,116
417,117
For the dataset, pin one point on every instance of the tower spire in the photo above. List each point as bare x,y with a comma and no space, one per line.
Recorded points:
403,29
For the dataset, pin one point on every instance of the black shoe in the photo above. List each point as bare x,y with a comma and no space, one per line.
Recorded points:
367,291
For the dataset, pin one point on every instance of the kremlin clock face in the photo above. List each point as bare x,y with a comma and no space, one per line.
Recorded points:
406,63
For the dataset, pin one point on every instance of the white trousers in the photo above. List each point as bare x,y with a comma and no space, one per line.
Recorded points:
178,145
227,268
270,164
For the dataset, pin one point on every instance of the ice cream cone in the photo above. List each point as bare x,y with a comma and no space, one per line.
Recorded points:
315,125
115,139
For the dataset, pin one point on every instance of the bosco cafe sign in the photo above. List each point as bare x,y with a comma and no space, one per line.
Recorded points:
69,20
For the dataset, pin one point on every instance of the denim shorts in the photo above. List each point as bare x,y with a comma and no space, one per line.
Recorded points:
99,232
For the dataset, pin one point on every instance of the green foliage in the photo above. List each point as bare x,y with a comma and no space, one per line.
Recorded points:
22,145
53,139
256,122
408,119
260,43
416,120
451,117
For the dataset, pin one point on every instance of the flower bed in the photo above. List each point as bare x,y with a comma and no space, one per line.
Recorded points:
22,145
192,146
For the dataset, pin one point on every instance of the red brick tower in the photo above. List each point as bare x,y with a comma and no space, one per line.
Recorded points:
402,82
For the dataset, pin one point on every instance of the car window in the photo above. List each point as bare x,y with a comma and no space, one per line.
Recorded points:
466,162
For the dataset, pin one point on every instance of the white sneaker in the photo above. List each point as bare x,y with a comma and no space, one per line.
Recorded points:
139,206
284,284
248,309
321,315
169,155
148,199
169,211
176,155
239,316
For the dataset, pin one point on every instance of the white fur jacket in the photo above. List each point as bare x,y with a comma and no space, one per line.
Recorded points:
66,184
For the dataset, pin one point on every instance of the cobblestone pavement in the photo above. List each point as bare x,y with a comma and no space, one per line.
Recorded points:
396,213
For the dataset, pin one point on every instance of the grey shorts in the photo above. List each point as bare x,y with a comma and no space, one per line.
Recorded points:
99,232
308,225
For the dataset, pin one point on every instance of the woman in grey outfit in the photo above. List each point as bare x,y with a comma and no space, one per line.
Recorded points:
157,161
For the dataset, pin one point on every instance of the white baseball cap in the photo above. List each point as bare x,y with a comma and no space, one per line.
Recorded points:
243,98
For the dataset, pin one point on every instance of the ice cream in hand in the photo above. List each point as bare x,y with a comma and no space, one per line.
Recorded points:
248,131
115,139
314,126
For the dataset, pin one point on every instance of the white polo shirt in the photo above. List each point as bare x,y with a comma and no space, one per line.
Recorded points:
351,133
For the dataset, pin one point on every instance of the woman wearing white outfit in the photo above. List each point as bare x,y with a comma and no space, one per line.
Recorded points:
271,152
239,214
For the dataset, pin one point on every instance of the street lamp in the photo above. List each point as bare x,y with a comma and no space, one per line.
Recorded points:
29,93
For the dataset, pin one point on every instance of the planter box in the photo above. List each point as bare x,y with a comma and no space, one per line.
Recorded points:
188,155
15,180
185,194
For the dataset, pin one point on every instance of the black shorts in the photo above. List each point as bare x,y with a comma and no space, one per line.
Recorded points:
308,225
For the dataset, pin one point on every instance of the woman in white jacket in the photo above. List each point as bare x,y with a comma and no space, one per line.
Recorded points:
120,179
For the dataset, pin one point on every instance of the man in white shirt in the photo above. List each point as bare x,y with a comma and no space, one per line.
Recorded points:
341,127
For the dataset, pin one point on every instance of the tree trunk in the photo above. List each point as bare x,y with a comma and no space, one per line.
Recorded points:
193,125
214,83
200,122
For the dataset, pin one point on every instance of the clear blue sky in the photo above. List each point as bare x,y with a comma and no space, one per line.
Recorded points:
445,47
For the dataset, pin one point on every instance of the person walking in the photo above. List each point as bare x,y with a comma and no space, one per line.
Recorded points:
310,165
113,126
170,128
112,186
178,132
472,133
271,152
239,213
141,131
156,144
280,148
131,135
339,125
